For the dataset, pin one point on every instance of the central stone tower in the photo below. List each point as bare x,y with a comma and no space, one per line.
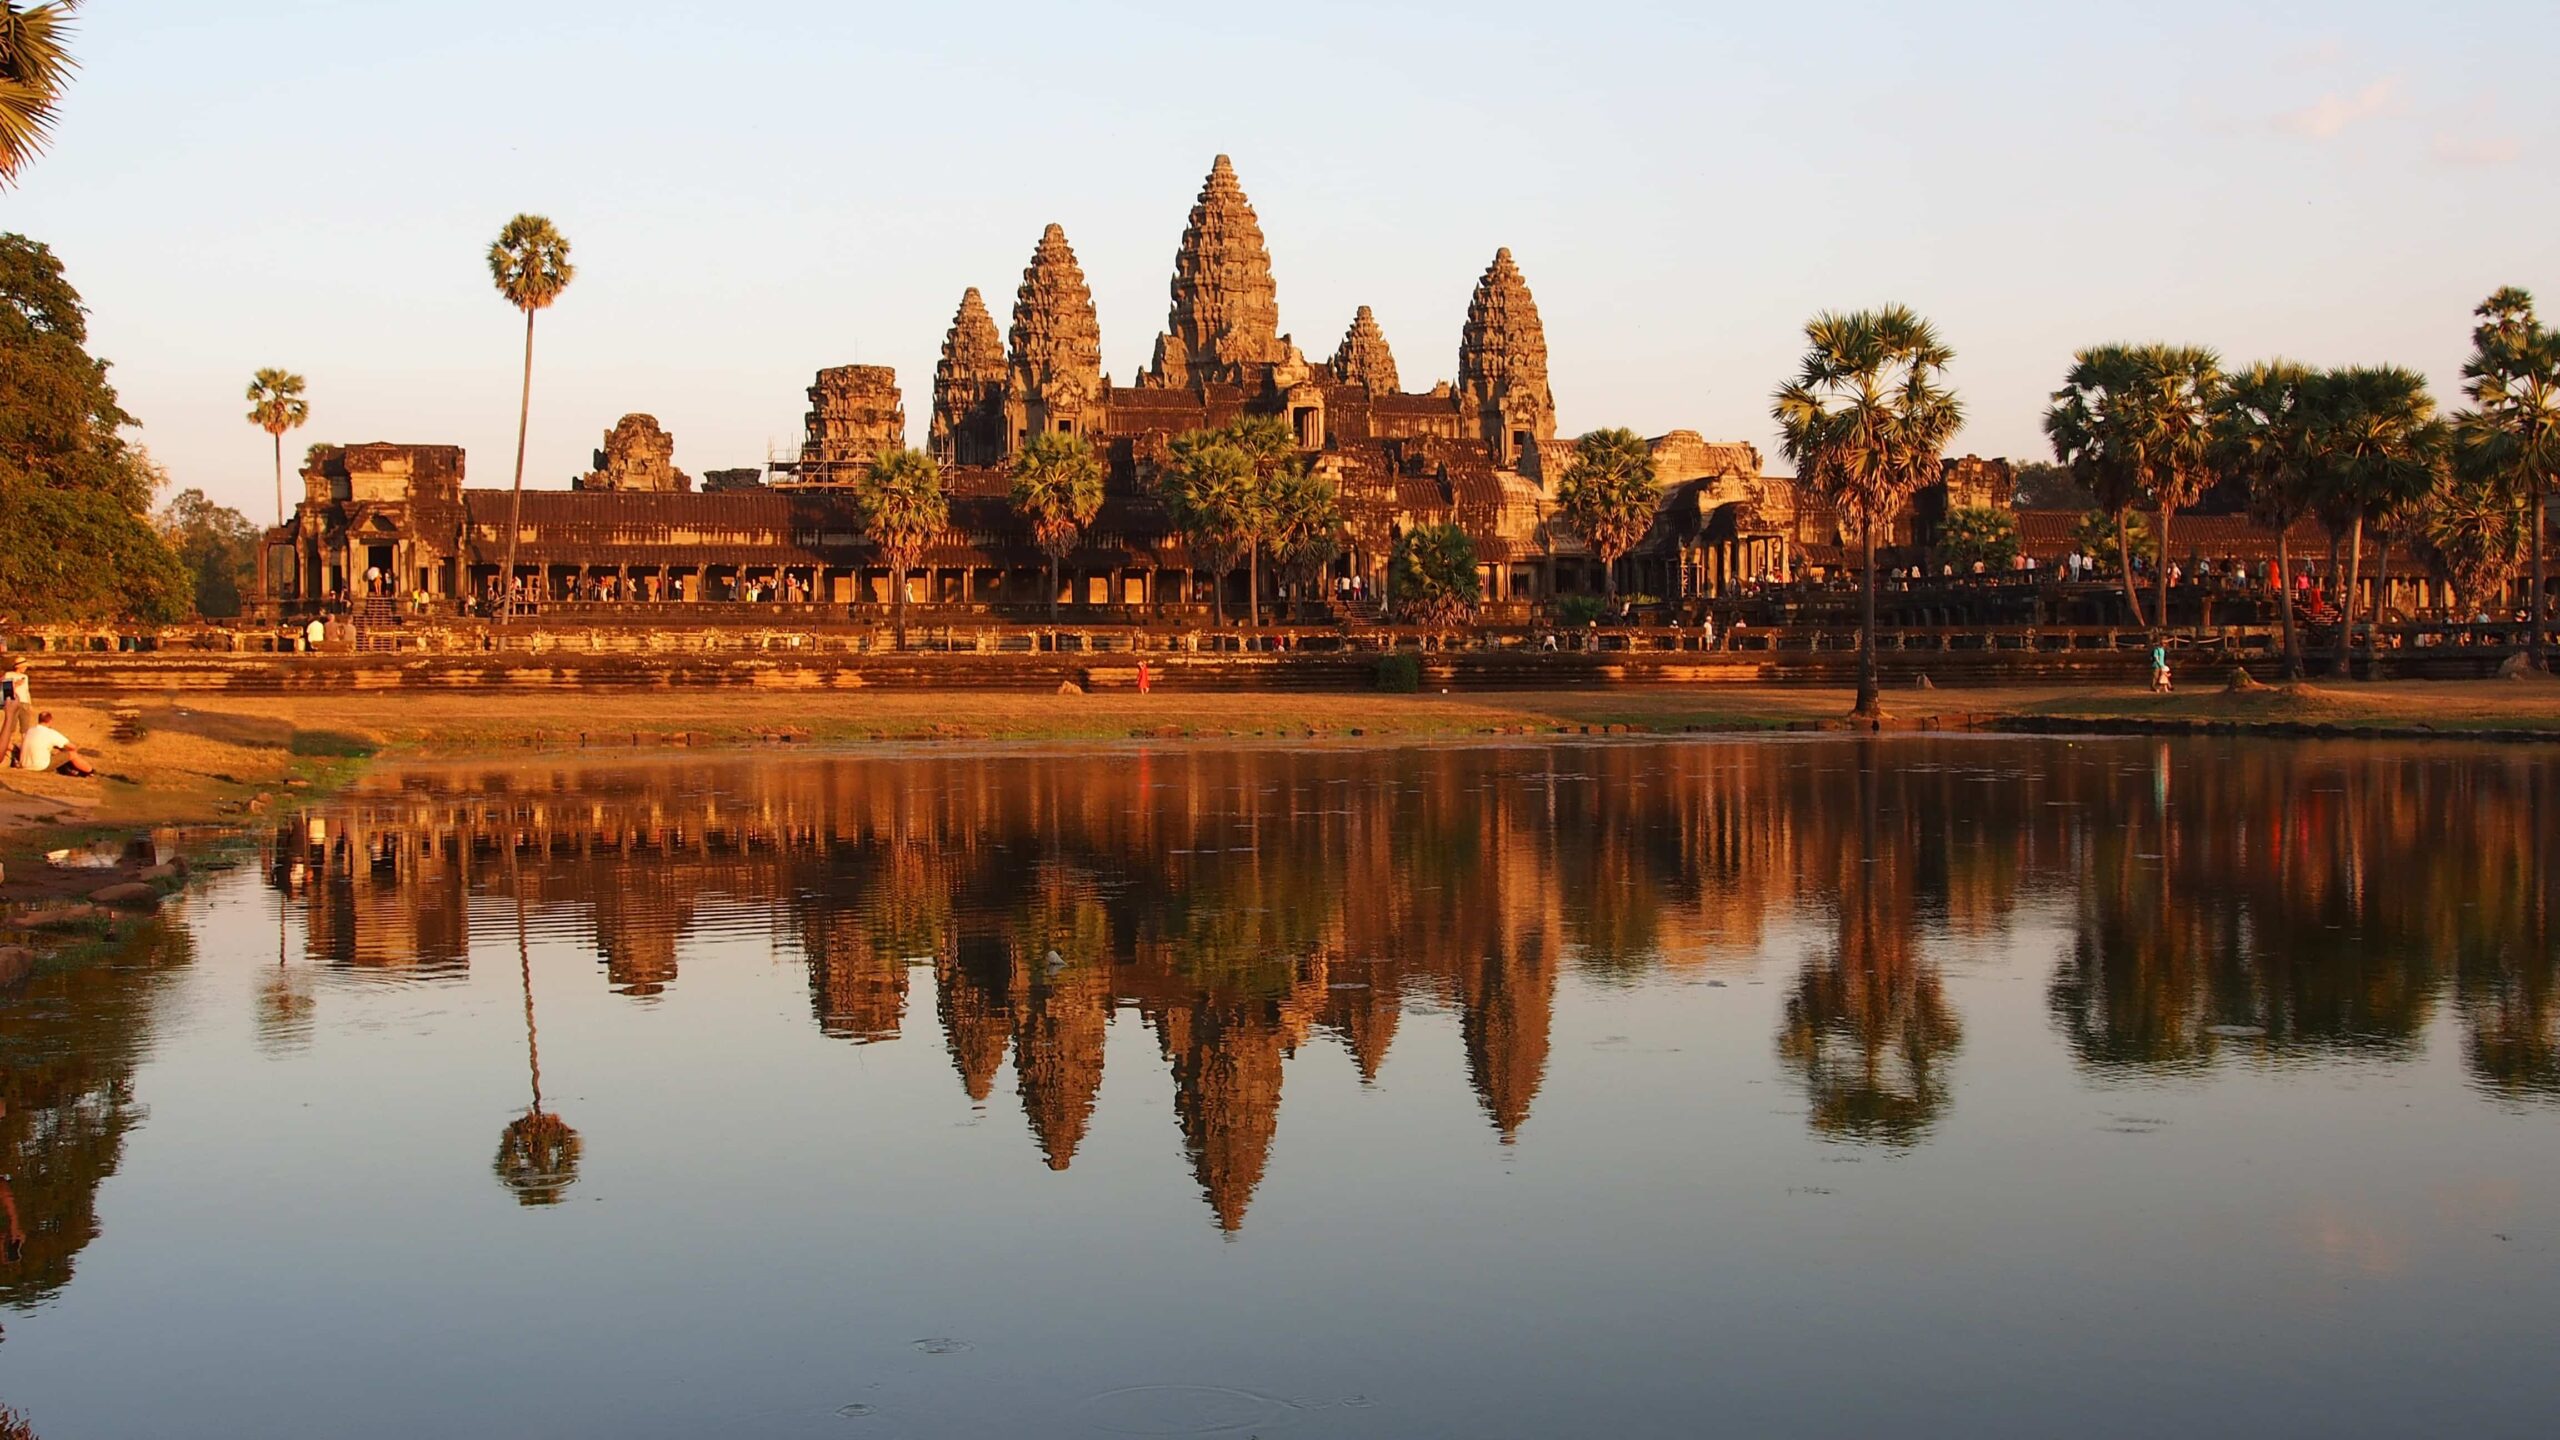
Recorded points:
1224,327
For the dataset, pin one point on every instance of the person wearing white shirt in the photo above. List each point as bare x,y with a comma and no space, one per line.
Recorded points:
44,746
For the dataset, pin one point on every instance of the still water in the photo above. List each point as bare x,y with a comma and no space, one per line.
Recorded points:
1825,1087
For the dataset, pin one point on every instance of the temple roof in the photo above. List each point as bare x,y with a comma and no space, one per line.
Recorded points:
1363,357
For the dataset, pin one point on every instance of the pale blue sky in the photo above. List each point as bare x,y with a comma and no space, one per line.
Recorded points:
756,190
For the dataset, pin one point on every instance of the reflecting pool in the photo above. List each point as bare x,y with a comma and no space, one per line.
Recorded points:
1955,1086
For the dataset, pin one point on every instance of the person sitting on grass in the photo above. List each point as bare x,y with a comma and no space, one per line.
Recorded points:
46,748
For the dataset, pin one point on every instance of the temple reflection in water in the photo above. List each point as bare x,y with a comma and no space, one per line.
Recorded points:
1239,901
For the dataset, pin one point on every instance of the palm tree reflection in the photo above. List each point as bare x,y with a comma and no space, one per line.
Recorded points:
538,1153
1868,1027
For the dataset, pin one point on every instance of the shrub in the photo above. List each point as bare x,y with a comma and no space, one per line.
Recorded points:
1400,674
1985,533
1577,611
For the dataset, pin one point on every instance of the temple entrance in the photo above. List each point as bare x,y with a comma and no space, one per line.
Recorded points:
378,569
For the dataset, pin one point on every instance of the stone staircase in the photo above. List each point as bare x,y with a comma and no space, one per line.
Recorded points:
377,624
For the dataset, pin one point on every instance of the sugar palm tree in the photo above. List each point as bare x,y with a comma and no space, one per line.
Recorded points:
1865,422
2473,528
1057,485
1304,525
275,406
1273,448
529,262
35,65
2513,380
900,507
1214,493
2376,446
2136,425
1608,496
2263,434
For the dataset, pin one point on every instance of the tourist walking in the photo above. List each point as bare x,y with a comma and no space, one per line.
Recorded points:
17,711
2159,668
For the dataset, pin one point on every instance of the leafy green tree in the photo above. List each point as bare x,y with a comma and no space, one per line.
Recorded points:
1433,570
1057,485
275,406
1866,422
74,540
1986,533
1304,525
35,66
2136,423
529,263
1213,492
2376,446
2095,537
2264,437
2043,485
2513,381
1608,496
217,545
900,507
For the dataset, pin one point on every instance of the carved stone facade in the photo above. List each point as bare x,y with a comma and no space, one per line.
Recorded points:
1224,327
1502,365
968,389
1055,363
1481,454
637,455
855,415
1363,358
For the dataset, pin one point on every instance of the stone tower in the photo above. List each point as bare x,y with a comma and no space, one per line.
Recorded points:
968,389
1363,357
1502,366
855,415
1054,379
1225,322
637,455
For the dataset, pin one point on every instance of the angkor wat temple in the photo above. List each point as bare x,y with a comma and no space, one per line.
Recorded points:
1481,451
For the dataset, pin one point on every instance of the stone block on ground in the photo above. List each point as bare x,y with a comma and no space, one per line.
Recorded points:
133,893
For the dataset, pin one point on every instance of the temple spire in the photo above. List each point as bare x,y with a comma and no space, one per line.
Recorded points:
1502,365
968,388
1363,357
1225,320
1056,359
